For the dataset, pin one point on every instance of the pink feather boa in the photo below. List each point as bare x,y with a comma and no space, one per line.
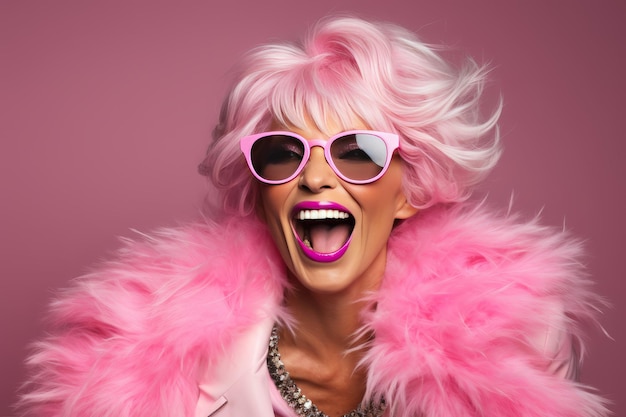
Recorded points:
478,316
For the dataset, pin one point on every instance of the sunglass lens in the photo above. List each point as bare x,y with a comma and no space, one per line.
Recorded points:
276,157
359,156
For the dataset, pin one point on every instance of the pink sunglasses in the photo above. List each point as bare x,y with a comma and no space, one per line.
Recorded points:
356,156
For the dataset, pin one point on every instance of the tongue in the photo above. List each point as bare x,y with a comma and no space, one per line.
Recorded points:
328,238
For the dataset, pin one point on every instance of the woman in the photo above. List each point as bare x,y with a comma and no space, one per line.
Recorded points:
340,273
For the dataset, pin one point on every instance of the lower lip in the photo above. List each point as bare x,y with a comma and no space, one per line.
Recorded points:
310,253
323,257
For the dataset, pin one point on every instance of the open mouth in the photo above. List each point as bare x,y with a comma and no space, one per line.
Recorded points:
323,229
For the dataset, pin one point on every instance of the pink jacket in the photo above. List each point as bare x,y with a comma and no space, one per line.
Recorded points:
478,315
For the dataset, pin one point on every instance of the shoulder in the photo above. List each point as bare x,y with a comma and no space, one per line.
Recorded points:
468,313
131,334
171,278
484,246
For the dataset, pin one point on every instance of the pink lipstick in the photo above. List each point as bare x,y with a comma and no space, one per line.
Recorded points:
323,229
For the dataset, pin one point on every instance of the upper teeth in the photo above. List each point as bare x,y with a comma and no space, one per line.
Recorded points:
321,214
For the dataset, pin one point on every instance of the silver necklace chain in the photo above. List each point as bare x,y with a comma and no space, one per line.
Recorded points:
290,392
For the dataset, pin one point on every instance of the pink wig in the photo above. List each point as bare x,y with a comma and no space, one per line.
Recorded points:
348,69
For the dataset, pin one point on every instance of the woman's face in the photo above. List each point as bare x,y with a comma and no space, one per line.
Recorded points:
345,247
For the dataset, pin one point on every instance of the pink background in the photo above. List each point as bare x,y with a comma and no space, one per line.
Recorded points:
106,109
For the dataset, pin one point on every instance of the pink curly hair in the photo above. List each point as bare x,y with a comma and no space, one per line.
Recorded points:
379,73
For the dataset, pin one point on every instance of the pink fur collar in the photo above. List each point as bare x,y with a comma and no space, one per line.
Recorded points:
475,318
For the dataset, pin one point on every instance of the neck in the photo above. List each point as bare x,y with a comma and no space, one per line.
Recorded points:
326,321
324,348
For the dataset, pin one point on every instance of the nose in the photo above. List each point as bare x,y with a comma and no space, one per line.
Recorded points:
317,175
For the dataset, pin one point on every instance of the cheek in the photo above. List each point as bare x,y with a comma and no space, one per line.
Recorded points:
385,196
272,204
271,198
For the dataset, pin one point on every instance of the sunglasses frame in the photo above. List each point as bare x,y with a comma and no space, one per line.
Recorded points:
391,141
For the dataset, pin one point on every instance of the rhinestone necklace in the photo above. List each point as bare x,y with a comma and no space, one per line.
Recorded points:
290,392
